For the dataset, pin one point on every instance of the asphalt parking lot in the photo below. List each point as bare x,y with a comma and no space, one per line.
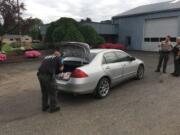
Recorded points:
147,107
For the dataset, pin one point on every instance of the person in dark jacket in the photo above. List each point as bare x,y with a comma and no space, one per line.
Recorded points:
49,68
176,51
165,49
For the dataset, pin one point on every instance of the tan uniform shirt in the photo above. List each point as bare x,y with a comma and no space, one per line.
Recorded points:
165,46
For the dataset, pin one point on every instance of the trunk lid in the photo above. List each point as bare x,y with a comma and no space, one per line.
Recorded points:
75,51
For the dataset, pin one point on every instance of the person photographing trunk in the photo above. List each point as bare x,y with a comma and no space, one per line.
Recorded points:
165,49
176,51
49,68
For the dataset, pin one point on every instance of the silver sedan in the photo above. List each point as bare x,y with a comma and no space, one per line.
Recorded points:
96,71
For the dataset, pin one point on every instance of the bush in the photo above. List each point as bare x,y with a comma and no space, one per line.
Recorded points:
15,45
100,40
6,48
2,57
39,46
19,51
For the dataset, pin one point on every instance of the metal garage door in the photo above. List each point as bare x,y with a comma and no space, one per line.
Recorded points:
156,29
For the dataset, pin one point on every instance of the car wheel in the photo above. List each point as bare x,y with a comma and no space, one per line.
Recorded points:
140,72
103,88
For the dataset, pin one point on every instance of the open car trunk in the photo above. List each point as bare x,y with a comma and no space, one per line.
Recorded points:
75,55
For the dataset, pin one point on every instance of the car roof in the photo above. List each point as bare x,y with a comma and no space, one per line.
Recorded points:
104,50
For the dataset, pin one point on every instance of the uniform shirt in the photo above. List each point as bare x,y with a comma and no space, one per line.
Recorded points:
176,51
166,46
50,65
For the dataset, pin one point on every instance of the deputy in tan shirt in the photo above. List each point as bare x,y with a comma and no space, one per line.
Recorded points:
165,49
165,46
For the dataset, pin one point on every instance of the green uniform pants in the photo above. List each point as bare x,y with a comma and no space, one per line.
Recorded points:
48,89
177,67
163,59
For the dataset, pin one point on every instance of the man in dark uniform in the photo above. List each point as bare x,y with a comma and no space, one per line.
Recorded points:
165,49
50,66
176,51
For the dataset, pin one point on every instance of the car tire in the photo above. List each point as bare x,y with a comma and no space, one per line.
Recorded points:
140,72
103,88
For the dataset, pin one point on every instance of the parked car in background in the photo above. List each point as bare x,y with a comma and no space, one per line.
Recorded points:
32,54
112,46
36,41
97,70
2,57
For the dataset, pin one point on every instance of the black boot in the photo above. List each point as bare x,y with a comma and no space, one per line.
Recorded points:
176,75
157,70
52,110
45,108
164,72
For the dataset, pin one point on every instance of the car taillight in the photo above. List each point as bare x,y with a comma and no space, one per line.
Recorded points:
77,73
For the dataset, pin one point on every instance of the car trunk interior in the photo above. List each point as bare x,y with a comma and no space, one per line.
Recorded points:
69,67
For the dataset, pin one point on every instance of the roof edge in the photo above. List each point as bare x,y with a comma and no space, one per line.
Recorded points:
145,13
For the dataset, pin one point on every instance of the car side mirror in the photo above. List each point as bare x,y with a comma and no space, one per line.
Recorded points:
132,58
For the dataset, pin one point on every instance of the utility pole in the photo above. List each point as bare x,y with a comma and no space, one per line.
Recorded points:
19,28
18,12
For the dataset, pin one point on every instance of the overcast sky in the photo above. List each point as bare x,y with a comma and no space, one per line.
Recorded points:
97,10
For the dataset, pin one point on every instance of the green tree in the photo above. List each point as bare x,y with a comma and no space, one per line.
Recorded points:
49,32
35,34
9,12
54,30
1,29
89,34
86,20
59,34
66,22
67,29
73,34
31,26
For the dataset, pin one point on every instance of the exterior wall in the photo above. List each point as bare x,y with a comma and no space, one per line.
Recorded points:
13,39
26,39
7,40
131,27
103,28
134,27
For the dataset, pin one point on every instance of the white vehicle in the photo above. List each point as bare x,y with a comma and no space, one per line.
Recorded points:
96,71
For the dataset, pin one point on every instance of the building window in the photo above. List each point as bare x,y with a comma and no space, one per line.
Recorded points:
173,39
26,39
17,39
162,39
11,39
154,39
147,40
128,41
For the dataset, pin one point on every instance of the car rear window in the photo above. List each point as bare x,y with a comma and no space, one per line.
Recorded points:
92,56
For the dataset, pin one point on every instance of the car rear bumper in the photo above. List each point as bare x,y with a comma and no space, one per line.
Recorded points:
79,86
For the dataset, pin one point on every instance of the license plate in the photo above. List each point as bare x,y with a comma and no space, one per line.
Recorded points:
64,76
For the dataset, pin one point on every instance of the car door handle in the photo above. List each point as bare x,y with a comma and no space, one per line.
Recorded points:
108,67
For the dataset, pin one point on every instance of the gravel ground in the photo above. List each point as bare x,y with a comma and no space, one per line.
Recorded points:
147,107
